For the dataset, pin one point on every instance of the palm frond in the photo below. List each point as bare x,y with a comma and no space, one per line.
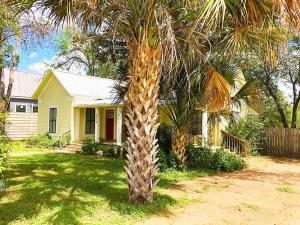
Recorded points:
216,92
249,94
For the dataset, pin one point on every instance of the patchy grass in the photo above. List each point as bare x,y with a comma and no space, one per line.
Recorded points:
286,189
74,189
253,207
20,146
172,176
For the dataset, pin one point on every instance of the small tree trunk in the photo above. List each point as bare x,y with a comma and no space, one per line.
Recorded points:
179,145
279,107
141,120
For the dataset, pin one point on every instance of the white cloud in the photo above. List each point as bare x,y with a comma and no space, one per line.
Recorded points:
39,67
32,55
42,66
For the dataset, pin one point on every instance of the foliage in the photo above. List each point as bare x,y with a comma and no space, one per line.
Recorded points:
101,191
18,25
4,149
2,123
89,146
164,137
41,141
270,116
286,189
219,159
250,129
168,160
153,31
99,56
285,71
63,141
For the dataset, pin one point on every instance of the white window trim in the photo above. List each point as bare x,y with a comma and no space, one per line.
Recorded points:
52,107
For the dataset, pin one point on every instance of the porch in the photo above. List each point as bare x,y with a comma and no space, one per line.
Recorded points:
103,123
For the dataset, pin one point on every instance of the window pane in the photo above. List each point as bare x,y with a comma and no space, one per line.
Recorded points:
21,108
35,109
90,121
52,120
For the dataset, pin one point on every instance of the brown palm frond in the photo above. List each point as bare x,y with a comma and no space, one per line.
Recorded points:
217,92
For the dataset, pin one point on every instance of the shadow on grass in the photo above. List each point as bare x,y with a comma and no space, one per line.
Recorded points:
69,187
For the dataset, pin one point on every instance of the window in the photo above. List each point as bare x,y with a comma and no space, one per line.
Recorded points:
35,108
21,108
52,120
90,121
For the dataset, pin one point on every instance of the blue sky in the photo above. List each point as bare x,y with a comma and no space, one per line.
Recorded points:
35,60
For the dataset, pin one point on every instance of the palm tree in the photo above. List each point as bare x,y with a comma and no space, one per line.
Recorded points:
215,89
152,29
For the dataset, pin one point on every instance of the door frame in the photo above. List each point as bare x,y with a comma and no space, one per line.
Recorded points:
113,125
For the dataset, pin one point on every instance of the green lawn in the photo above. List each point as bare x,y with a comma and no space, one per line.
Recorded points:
74,189
20,146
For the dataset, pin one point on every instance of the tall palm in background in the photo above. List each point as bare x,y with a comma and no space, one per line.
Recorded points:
152,29
214,89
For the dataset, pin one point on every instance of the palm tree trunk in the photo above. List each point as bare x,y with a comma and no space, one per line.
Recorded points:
141,120
179,145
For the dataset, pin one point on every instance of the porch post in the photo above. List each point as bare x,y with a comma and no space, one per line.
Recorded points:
119,125
204,127
78,124
97,124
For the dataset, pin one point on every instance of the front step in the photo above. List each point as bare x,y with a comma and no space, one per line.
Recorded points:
73,147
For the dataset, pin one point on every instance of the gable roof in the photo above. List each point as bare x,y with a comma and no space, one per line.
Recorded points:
24,85
80,85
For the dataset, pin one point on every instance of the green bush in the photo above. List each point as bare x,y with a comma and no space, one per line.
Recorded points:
250,129
64,141
89,146
164,137
4,149
219,159
41,141
167,159
2,123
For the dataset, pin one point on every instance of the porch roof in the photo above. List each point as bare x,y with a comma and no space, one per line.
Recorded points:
99,102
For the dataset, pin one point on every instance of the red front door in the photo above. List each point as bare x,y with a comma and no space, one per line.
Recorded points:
110,125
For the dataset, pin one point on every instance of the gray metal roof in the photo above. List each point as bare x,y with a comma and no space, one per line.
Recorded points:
24,85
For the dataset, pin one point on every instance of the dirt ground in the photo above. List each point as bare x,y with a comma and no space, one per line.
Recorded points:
267,193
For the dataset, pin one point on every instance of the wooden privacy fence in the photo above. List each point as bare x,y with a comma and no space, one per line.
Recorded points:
282,142
20,126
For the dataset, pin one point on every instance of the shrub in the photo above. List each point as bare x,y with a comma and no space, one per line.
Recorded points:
4,149
167,159
41,141
64,141
89,146
250,129
220,159
2,123
164,137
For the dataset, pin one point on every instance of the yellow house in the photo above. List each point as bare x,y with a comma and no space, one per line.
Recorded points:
84,106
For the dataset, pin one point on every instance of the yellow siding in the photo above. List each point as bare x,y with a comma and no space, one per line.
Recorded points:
54,95
102,123
163,117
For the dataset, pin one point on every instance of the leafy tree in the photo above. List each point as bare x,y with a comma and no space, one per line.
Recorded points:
152,29
285,70
18,26
99,56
